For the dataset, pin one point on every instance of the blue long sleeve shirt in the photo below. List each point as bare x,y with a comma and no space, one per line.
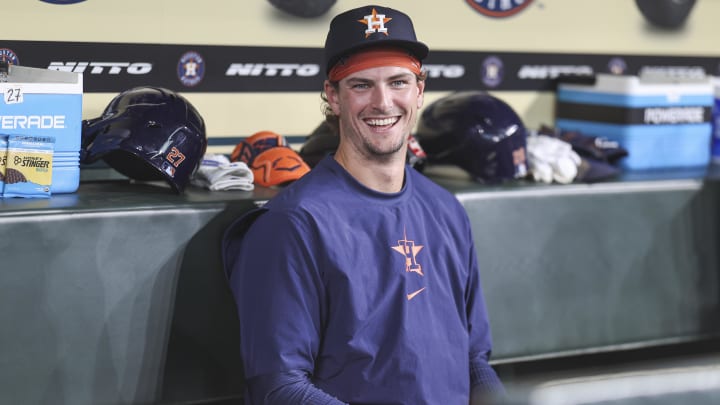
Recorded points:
348,295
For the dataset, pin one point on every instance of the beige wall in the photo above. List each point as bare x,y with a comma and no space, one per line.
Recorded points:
576,26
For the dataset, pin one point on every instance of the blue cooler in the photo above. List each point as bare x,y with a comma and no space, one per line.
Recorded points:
662,122
43,102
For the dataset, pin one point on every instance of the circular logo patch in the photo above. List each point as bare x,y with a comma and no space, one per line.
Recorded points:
492,71
9,56
191,68
617,66
498,8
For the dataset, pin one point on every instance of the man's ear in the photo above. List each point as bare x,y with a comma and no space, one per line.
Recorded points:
421,93
332,96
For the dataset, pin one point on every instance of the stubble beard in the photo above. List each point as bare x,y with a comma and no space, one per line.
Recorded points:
386,154
379,153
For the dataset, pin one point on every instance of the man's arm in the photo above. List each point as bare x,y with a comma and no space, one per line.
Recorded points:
483,378
484,381
278,292
292,387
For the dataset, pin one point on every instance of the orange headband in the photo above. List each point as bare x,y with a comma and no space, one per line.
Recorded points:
373,58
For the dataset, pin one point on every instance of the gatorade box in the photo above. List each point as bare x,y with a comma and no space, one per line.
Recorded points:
662,122
46,104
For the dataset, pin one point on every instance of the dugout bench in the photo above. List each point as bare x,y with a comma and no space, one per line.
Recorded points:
115,294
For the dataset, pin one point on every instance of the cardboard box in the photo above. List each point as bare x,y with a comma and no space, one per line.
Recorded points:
662,122
43,102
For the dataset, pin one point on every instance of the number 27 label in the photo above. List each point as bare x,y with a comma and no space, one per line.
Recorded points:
13,94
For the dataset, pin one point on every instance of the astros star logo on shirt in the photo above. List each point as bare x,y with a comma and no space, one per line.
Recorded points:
409,249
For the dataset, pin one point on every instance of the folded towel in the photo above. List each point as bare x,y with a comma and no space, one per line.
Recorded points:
217,173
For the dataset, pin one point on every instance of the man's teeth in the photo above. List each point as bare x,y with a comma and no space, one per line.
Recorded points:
381,122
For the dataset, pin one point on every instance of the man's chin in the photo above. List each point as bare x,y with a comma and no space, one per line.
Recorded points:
386,154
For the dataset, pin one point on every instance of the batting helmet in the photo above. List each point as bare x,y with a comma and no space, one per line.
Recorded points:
670,14
476,131
147,133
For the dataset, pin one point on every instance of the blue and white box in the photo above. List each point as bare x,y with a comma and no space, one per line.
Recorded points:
662,122
44,102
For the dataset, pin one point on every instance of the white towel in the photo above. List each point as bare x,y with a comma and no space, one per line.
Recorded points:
551,159
217,173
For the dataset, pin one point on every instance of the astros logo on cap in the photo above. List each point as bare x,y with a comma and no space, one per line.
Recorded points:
375,23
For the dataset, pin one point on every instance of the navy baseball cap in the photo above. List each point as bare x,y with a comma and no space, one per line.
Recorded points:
369,26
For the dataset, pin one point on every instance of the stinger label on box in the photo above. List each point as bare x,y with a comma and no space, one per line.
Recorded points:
28,168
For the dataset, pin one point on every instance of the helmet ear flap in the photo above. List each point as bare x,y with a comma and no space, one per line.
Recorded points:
90,129
88,135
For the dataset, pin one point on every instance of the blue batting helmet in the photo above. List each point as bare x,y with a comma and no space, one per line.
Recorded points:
670,14
147,133
476,131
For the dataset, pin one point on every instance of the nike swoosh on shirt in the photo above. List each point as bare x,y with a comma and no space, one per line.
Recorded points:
414,294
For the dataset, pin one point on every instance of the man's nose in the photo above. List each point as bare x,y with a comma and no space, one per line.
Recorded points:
381,98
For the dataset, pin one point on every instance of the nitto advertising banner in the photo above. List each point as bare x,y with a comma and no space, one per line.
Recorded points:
244,63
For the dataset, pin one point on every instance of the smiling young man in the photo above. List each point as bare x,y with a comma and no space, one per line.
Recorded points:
376,94
359,282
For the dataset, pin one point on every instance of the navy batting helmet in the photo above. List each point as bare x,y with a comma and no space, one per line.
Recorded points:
304,8
476,131
670,14
147,133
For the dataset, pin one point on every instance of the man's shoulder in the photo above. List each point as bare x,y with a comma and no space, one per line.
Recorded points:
311,187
